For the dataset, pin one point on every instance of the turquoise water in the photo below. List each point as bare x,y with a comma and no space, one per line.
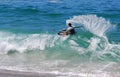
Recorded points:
29,40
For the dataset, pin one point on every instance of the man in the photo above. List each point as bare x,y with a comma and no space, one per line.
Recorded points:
69,31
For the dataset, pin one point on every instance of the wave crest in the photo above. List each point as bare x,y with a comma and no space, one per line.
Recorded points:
96,25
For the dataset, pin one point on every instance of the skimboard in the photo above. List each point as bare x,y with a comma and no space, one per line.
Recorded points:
63,33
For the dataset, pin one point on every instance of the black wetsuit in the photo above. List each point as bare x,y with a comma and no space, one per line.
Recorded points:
71,32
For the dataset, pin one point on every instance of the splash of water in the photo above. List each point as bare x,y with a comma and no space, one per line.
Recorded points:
96,25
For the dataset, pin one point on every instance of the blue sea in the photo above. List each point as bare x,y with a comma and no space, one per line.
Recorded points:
29,41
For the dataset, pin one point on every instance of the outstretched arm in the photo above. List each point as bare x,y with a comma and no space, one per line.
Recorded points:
77,26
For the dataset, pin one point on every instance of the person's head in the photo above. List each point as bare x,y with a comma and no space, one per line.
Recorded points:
69,24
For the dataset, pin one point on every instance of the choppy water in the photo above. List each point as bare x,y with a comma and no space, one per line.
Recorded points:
29,40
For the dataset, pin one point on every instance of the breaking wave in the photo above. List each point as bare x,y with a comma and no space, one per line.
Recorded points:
94,41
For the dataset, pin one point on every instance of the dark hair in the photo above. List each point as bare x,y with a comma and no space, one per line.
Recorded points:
69,24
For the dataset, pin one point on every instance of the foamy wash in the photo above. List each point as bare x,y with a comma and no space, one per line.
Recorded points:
29,40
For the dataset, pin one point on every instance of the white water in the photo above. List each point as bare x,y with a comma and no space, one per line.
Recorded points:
70,67
96,25
22,42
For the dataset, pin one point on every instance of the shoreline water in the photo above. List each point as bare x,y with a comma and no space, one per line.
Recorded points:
9,73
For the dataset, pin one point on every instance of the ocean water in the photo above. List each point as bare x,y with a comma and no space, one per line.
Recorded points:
29,40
